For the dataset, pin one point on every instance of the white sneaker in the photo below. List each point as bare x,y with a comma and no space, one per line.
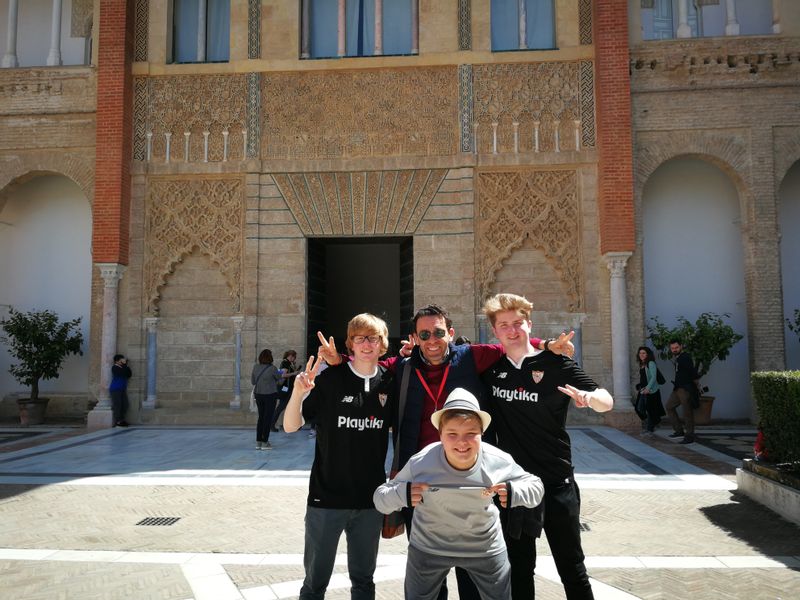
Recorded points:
259,445
267,446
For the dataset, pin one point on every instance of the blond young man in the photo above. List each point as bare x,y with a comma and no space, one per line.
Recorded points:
353,406
528,394
451,484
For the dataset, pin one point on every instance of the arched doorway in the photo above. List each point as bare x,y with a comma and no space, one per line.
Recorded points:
46,263
693,263
789,224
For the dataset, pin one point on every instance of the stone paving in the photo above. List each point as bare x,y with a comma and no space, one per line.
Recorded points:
661,520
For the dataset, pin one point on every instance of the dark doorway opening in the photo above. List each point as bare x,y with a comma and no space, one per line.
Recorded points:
348,276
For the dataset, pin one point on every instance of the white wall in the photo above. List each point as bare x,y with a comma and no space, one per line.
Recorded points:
33,33
45,263
789,223
693,263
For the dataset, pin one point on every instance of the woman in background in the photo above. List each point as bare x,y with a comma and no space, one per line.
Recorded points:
649,388
265,379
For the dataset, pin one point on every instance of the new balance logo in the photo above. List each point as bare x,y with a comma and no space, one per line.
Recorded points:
347,400
511,395
502,375
360,424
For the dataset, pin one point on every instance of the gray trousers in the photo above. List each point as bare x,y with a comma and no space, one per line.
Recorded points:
425,573
681,397
324,527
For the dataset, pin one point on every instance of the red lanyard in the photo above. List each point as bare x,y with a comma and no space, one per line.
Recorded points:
428,389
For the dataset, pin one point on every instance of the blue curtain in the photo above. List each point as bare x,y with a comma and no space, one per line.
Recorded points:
323,22
184,31
218,21
397,26
218,30
540,24
360,20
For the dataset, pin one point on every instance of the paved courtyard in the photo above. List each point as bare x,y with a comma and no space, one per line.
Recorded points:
661,521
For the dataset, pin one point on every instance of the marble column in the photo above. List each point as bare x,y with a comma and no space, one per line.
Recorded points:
523,25
378,50
620,348
151,324
111,274
305,31
732,25
238,323
776,16
54,57
201,31
10,57
341,30
684,31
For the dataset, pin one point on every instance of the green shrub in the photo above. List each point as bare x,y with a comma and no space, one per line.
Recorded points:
777,395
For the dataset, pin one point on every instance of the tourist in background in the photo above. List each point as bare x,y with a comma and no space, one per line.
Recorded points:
265,379
648,387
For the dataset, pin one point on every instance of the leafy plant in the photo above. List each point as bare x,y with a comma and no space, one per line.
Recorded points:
777,395
794,323
40,343
708,339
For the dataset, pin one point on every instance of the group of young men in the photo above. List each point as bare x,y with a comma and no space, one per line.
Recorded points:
524,385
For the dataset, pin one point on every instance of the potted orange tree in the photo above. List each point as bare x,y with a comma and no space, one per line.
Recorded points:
708,339
39,342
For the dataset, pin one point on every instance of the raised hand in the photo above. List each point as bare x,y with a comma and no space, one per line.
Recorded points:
407,346
305,380
563,344
581,398
327,350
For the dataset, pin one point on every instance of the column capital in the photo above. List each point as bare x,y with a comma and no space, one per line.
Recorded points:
151,324
111,273
238,323
616,262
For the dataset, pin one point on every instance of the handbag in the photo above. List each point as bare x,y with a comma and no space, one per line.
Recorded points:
394,523
640,406
660,377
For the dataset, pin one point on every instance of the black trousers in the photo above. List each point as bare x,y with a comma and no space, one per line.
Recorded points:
466,588
562,508
266,408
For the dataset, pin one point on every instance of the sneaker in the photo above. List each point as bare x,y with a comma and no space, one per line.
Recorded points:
687,440
259,445
267,446
647,434
121,424
675,434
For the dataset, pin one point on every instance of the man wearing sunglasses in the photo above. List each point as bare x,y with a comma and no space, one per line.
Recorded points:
437,366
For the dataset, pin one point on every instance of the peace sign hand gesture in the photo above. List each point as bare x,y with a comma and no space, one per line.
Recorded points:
305,381
327,350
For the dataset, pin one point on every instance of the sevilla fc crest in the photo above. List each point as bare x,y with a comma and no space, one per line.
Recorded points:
382,398
537,376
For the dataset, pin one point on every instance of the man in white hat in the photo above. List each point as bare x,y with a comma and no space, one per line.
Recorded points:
450,484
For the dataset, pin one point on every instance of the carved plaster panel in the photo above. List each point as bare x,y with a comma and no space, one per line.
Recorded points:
585,21
254,29
360,202
187,215
554,94
81,18
540,206
465,24
465,107
360,113
195,103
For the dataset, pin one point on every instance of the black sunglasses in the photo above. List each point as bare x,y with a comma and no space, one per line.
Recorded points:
425,335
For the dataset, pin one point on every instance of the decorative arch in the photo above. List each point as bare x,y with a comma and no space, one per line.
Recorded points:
183,216
786,151
77,167
541,206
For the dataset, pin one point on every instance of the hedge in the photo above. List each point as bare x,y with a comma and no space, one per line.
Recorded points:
777,395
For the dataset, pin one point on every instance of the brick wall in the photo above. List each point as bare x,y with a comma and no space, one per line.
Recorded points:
114,127
615,191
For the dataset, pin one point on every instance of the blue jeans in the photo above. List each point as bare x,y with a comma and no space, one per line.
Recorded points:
324,527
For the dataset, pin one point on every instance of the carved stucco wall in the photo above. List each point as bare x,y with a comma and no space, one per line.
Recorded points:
360,202
539,206
81,18
183,216
554,94
397,112
194,103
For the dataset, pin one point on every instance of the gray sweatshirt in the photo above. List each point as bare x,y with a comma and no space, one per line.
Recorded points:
455,517
266,378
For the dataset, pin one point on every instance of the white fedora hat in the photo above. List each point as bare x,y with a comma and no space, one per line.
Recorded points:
461,399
